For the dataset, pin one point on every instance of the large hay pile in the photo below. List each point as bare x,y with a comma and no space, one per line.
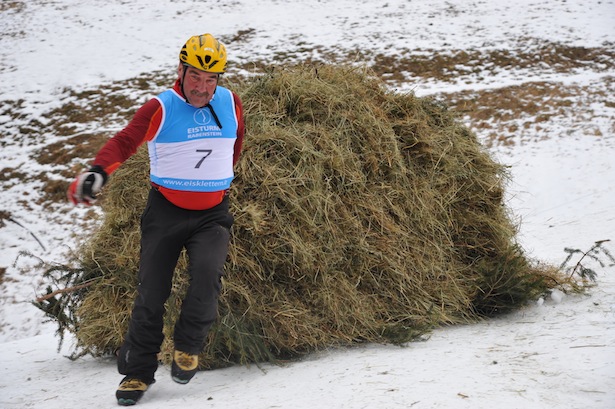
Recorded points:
361,214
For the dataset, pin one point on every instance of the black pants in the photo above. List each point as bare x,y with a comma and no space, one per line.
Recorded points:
165,230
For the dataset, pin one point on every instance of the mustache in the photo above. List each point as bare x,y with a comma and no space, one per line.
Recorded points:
199,94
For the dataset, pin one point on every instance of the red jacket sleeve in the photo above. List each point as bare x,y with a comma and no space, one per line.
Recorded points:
125,143
240,129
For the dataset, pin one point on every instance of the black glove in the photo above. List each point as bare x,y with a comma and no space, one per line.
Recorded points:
87,185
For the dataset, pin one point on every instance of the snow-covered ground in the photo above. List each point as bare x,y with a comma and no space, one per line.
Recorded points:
558,353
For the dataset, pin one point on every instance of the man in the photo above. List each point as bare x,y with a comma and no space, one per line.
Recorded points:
194,133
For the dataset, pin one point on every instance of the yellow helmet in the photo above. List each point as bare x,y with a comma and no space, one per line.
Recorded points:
204,53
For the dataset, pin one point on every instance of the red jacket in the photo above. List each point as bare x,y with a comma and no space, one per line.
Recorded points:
142,128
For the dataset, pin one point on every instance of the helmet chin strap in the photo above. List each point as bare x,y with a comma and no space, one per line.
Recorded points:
181,83
213,113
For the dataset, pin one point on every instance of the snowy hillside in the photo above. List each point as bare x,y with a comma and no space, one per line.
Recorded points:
534,79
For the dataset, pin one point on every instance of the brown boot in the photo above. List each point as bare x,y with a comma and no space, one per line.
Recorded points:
184,366
131,389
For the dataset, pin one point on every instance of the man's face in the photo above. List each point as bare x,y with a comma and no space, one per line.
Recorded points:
199,86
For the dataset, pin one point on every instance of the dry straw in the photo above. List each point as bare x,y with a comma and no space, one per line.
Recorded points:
361,215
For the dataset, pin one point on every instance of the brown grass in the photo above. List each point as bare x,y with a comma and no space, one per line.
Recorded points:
500,115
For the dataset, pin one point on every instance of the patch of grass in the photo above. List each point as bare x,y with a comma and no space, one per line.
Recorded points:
4,215
453,64
84,145
16,6
53,190
502,114
239,37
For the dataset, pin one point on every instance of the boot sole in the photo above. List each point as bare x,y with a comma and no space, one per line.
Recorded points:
126,402
180,381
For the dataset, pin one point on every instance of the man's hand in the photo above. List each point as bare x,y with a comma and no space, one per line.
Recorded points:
87,185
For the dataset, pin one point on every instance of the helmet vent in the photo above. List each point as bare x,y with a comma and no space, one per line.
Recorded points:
205,53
